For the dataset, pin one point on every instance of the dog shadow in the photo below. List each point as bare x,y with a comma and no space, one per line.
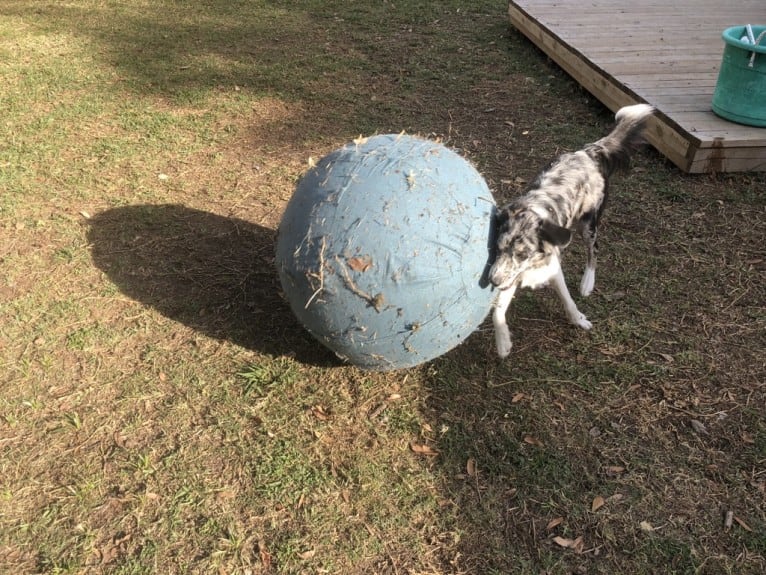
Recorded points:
212,273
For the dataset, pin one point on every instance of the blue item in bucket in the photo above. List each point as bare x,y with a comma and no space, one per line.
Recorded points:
740,92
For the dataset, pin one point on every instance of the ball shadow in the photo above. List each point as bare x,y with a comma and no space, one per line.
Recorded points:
212,273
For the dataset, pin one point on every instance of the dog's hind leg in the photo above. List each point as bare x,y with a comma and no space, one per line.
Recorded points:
574,314
589,235
502,333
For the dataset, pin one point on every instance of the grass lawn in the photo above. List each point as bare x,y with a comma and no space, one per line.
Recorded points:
161,410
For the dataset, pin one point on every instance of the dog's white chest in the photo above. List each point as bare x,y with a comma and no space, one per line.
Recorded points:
538,277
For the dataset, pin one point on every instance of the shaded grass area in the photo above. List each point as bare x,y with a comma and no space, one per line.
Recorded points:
162,411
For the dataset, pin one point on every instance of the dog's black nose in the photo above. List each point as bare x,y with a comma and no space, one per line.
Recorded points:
495,278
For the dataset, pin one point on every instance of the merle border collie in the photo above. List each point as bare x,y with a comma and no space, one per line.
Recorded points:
569,195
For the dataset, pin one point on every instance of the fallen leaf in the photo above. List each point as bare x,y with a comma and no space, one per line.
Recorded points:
615,296
119,439
742,524
533,441
699,427
575,545
612,350
563,541
124,441
646,526
360,264
108,554
265,555
598,503
307,554
121,538
422,449
470,467
553,523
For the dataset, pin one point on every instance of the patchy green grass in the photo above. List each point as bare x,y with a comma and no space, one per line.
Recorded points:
162,411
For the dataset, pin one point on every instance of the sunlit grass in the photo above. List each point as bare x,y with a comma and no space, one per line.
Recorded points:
161,409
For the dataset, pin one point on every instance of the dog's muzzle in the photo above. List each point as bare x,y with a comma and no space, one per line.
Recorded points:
501,277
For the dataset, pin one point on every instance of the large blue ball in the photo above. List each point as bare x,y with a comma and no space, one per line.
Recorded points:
383,249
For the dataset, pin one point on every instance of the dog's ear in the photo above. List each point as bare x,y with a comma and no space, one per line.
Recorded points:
554,234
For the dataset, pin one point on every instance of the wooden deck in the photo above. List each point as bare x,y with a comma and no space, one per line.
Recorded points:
663,53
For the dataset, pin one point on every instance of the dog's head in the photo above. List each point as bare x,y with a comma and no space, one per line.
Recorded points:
524,241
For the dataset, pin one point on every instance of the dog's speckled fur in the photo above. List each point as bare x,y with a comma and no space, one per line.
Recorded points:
568,195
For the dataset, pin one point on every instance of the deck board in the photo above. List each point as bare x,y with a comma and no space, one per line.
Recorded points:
664,53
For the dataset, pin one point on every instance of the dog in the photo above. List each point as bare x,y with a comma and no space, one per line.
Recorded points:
569,195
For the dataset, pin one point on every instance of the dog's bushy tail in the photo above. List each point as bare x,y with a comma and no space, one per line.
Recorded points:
614,150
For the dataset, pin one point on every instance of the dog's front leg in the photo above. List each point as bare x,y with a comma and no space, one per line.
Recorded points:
502,333
589,236
588,280
574,314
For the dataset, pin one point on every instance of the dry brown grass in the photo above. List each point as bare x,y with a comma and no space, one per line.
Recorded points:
161,411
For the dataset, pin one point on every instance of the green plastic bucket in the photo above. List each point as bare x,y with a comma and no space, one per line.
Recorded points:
740,92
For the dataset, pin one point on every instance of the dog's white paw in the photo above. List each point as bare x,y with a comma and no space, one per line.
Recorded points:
503,342
580,320
504,349
587,282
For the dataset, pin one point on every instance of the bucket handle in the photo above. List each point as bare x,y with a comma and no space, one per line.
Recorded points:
755,42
